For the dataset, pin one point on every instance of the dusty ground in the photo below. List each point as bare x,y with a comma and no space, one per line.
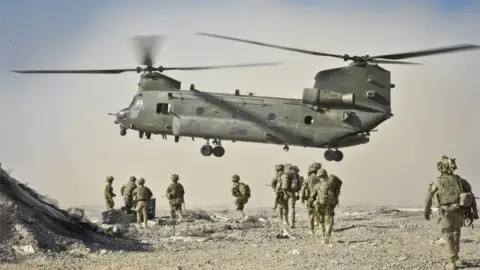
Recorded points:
35,235
398,240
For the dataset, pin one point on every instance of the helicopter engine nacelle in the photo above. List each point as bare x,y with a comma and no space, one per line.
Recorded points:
318,97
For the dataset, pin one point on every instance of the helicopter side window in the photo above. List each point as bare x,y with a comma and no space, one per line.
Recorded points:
163,108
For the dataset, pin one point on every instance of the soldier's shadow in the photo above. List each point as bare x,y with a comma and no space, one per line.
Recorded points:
470,264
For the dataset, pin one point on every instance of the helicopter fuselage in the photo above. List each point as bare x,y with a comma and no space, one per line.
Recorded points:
248,118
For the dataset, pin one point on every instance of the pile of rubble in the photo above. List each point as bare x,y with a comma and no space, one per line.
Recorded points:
32,224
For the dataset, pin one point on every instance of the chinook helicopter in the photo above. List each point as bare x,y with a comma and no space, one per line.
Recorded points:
343,107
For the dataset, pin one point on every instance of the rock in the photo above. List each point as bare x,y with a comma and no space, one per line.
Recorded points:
295,252
24,250
103,251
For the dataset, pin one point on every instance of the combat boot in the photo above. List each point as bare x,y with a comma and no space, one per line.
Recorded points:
451,266
328,233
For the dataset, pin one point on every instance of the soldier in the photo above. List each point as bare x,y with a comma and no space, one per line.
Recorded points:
241,192
175,195
455,202
306,191
325,198
126,192
286,195
279,171
108,193
142,196
295,187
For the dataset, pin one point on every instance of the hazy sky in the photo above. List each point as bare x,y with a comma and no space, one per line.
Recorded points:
57,136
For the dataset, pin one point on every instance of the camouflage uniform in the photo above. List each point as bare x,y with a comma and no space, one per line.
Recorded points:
279,171
286,197
175,195
238,191
108,193
306,191
127,193
142,196
449,189
325,198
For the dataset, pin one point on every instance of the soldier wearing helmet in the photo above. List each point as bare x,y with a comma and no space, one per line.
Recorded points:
455,203
306,191
291,183
279,171
324,198
241,192
108,193
175,194
142,196
126,191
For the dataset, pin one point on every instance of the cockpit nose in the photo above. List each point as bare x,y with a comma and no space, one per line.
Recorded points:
121,115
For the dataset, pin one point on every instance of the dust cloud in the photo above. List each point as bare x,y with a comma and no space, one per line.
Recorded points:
57,136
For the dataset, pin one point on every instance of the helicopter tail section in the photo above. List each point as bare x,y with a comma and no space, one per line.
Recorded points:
370,84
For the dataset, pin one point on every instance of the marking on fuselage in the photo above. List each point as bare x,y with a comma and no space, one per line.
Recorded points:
239,131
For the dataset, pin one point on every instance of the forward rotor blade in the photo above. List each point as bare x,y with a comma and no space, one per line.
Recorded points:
449,49
377,61
75,71
224,66
147,48
271,45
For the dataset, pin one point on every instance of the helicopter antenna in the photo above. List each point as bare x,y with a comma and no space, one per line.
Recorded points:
146,49
378,59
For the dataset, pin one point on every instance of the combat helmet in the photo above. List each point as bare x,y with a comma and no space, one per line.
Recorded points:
110,178
174,177
279,167
141,181
322,172
133,179
235,178
447,165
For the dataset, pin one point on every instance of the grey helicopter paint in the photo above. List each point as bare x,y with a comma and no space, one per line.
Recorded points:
344,105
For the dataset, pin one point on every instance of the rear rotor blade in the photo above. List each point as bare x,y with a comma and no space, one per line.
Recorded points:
147,48
449,49
76,71
271,45
377,61
223,66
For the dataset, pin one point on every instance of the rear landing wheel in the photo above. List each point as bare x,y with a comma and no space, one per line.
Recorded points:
206,150
148,135
123,131
218,151
333,155
140,134
338,156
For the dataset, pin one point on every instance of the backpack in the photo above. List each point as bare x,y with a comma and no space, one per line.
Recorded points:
286,182
296,183
449,189
245,190
326,193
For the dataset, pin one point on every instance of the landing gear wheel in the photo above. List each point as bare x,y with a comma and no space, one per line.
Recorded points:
286,148
218,151
148,135
123,131
337,156
206,150
140,134
329,155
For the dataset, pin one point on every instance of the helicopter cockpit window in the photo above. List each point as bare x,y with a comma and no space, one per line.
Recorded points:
163,108
138,104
